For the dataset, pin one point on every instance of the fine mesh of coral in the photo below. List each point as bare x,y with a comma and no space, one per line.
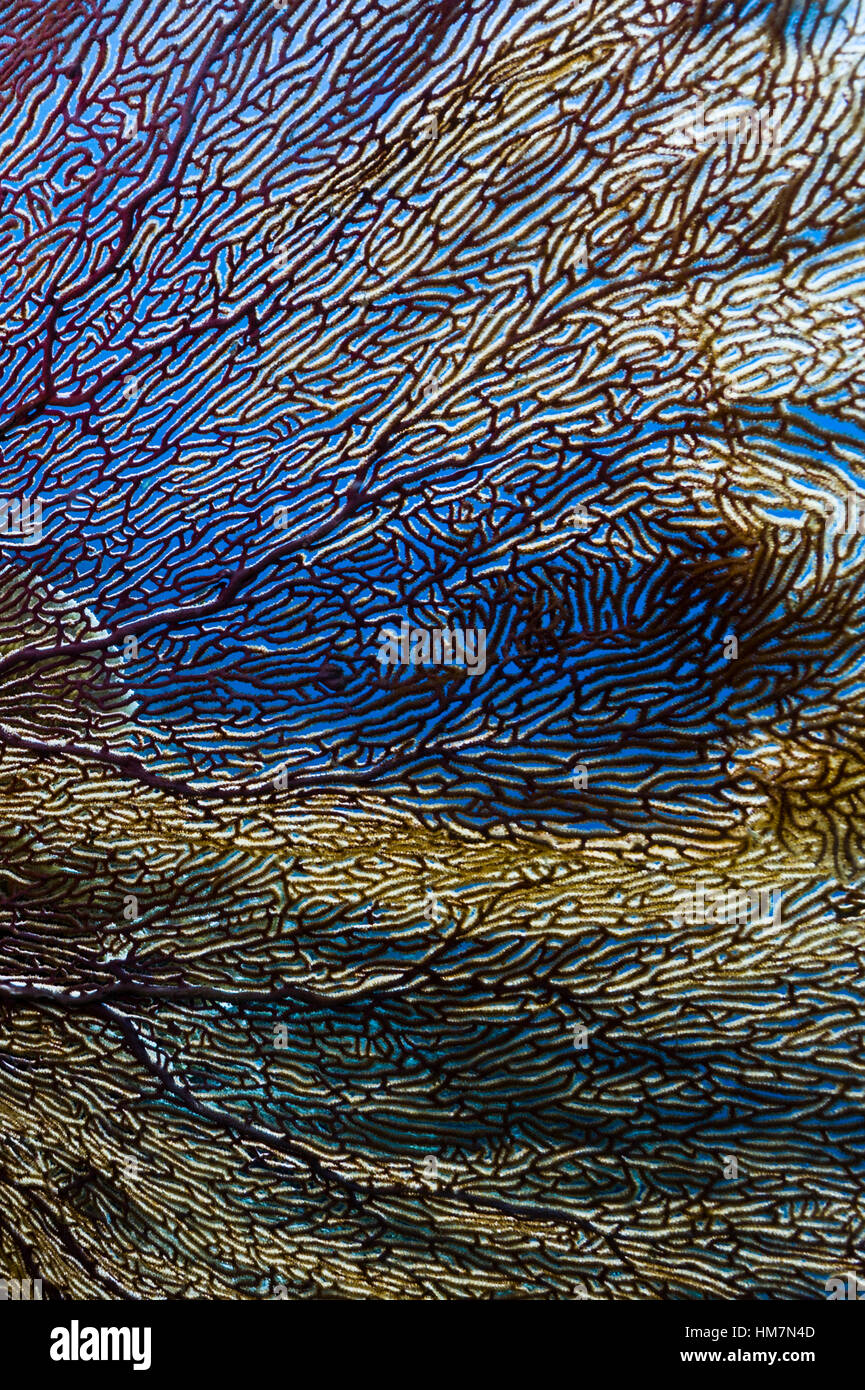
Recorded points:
335,961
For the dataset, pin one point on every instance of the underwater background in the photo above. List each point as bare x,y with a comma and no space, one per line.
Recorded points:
326,978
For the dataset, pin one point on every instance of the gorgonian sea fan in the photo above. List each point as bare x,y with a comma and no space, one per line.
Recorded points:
325,319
